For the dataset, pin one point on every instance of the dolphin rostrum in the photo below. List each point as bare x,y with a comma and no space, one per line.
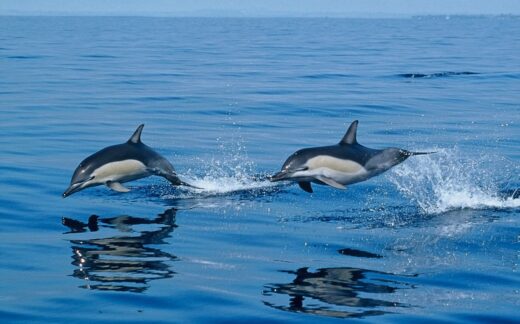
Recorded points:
339,165
125,162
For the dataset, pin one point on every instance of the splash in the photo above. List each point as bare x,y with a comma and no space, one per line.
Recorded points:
441,182
435,75
232,172
214,182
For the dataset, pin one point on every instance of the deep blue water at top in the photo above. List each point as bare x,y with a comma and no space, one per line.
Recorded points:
227,100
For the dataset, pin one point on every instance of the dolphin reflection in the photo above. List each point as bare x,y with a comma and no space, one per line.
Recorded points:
338,292
124,262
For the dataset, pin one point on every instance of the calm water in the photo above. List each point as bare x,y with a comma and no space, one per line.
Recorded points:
227,100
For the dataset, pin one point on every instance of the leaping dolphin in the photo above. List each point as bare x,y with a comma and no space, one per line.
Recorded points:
125,162
339,165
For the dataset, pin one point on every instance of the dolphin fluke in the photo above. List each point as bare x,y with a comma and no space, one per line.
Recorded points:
176,181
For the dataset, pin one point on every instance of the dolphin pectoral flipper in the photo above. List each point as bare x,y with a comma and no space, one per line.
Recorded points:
331,182
306,186
116,186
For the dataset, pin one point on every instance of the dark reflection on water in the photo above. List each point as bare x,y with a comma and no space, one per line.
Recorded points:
338,292
359,253
124,262
435,75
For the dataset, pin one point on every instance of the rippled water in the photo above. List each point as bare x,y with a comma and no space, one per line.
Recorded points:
227,100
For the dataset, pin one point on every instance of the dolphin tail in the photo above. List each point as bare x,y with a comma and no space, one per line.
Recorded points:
174,180
189,185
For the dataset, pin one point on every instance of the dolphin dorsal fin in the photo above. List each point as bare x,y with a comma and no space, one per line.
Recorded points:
350,135
136,137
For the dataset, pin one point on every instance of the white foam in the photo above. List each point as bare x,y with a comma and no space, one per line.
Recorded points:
232,172
444,181
229,175
223,185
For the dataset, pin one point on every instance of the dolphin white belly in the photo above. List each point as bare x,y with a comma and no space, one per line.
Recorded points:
121,171
340,170
339,176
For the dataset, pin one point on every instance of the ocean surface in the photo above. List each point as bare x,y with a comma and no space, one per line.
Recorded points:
437,238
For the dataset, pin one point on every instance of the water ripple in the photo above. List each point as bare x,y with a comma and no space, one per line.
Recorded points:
435,75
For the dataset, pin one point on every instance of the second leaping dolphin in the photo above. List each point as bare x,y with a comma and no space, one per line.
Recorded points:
121,163
339,165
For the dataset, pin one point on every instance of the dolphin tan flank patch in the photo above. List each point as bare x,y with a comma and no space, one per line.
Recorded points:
115,170
326,161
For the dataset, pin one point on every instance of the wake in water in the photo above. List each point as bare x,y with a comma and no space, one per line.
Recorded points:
444,181
434,75
233,172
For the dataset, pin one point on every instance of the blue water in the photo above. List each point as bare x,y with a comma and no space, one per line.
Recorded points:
227,100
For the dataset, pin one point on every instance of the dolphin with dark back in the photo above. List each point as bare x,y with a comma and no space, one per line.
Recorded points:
339,165
121,163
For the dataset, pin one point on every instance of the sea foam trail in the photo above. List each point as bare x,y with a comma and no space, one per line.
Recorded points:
213,183
232,172
210,184
444,181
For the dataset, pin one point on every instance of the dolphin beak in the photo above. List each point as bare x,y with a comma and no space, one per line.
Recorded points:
72,189
282,175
